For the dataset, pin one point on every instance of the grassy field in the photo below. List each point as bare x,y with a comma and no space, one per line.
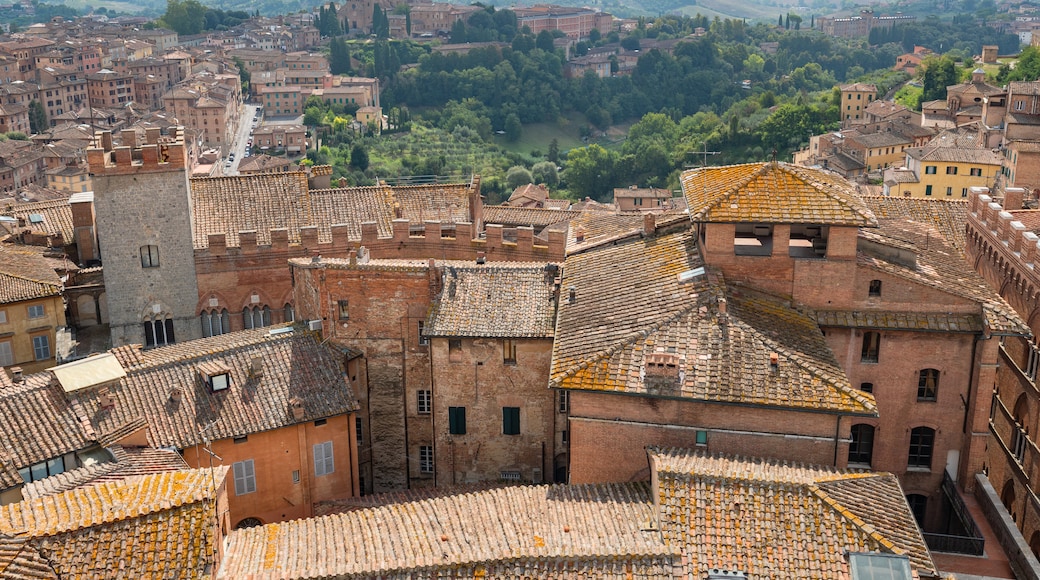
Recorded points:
567,132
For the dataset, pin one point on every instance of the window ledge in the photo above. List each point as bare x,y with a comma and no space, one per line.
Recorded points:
916,469
856,465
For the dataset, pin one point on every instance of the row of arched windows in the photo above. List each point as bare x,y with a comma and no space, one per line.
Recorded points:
215,322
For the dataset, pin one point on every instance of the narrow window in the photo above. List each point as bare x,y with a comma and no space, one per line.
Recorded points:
565,402
426,459
510,420
861,448
288,315
927,385
344,309
922,439
875,288
508,352
951,170
455,349
6,354
701,438
928,190
149,256
423,340
360,431
41,347
457,420
245,477
247,318
423,402
323,463
871,344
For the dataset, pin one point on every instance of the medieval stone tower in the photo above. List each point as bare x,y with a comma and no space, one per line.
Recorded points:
144,229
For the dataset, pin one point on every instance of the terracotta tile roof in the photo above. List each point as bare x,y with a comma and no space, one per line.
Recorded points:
128,462
955,155
38,423
20,560
773,193
948,217
631,309
349,504
939,266
262,202
770,519
581,529
506,300
526,216
882,139
149,526
599,227
25,275
295,366
888,320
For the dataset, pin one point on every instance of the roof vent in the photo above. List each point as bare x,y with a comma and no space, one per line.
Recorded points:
481,257
176,394
16,374
774,360
579,235
719,574
314,325
572,295
104,399
690,274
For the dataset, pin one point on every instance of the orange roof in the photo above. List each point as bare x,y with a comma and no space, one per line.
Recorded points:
773,192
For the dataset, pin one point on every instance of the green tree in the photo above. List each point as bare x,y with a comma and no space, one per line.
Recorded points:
594,36
339,57
359,157
554,151
544,41
37,117
186,17
458,32
545,172
590,172
518,175
513,128
937,74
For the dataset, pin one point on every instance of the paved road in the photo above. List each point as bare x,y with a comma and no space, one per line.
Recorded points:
238,147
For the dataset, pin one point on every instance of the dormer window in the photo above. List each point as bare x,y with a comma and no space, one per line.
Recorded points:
216,376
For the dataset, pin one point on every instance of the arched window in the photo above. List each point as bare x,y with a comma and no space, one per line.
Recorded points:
158,332
871,346
289,314
922,441
1020,432
215,322
861,448
927,385
918,506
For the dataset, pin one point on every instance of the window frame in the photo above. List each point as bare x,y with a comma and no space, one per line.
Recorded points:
343,309
921,450
564,402
43,346
874,289
951,170
423,340
508,351
870,353
149,256
861,444
6,354
244,474
925,391
423,401
3,316
35,311
426,464
930,169
324,459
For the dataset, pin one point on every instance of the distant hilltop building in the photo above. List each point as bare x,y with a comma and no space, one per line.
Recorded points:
854,26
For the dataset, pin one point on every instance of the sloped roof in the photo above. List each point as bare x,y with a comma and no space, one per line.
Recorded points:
20,560
158,525
947,216
772,192
630,306
266,201
38,423
535,217
942,267
504,300
772,519
567,532
25,275
129,462
295,366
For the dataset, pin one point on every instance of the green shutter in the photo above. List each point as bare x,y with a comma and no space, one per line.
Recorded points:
511,420
457,420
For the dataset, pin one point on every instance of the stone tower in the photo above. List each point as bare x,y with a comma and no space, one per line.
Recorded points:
144,228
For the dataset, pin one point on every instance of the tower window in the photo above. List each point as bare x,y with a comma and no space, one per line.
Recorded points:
149,256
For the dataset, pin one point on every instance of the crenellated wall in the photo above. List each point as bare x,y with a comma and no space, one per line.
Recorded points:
1004,250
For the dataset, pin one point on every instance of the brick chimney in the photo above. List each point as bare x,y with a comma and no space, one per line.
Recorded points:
649,224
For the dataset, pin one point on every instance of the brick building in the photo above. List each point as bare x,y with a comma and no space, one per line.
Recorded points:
862,290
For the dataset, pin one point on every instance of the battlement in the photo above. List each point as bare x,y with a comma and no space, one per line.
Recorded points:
988,218
157,153
460,241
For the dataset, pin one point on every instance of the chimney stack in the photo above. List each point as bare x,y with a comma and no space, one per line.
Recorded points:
16,374
649,224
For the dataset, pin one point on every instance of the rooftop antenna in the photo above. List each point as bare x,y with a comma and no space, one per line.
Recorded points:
705,153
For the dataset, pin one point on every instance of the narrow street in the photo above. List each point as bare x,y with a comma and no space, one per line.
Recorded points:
238,147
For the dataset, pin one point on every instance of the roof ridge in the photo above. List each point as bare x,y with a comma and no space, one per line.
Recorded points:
248,340
20,277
